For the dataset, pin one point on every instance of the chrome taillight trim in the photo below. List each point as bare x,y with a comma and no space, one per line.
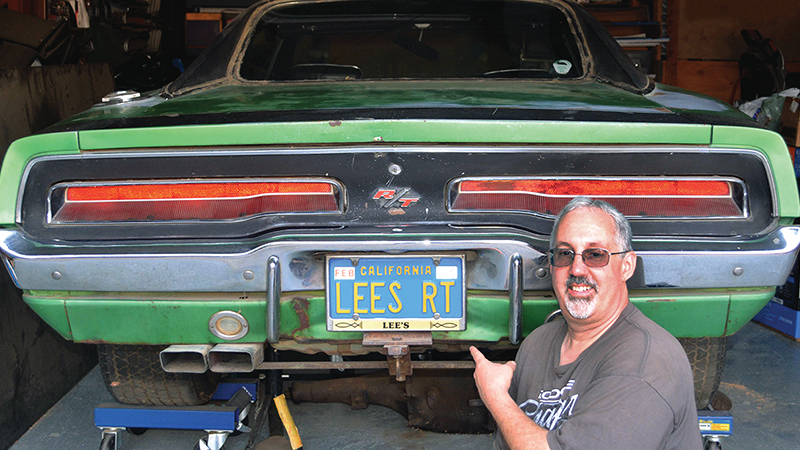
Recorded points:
56,191
238,151
743,203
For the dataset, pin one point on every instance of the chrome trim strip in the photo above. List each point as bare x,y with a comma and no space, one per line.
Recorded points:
258,14
242,267
273,319
516,274
238,151
338,192
8,262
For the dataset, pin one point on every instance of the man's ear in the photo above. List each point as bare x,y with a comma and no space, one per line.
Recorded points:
628,265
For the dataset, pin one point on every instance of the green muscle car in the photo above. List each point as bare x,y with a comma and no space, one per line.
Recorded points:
354,178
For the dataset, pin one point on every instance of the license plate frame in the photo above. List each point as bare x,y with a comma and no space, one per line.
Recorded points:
405,302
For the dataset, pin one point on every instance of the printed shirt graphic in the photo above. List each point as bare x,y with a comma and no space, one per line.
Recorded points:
632,388
552,407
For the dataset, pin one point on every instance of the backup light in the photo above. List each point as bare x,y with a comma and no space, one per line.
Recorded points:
228,325
163,201
634,197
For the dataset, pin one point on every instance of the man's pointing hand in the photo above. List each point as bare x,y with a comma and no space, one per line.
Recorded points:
491,378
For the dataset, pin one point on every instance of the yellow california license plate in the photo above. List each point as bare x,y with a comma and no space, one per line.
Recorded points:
395,293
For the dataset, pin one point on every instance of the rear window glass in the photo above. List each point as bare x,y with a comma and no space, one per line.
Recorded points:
412,39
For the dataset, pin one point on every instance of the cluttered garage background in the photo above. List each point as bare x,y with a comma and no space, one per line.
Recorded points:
58,57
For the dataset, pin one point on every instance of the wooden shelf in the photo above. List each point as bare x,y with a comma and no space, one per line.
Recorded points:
641,19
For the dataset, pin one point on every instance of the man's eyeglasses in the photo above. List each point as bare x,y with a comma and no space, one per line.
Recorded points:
592,257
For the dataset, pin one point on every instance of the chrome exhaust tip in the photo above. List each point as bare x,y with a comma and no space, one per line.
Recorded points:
181,358
227,358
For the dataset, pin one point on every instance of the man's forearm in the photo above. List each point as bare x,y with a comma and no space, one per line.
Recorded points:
519,431
493,382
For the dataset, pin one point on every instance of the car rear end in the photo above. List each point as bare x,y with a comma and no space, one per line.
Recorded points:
205,228
136,244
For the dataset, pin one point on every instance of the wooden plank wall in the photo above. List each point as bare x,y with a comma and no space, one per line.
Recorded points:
706,41
37,97
38,366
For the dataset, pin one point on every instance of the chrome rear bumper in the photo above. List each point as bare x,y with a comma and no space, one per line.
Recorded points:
242,266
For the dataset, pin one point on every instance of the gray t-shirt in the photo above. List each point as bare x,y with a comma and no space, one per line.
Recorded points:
631,389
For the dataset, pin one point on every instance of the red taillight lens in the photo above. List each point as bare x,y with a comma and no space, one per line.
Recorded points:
189,200
675,197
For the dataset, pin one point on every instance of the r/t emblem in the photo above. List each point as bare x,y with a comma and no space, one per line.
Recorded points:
395,198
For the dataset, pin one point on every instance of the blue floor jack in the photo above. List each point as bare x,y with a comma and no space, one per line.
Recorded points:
714,425
218,420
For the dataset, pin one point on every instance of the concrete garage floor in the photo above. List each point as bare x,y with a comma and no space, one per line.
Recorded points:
762,376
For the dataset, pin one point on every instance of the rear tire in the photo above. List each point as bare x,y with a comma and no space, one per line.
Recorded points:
707,358
133,375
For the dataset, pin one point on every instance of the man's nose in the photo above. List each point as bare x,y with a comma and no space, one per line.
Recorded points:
578,267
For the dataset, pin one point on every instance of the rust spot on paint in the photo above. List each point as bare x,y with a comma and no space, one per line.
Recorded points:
335,123
656,300
300,306
396,211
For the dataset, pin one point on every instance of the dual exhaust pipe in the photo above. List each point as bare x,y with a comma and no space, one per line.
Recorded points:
220,358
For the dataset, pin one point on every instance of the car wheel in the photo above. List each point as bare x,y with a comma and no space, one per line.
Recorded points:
707,358
133,375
